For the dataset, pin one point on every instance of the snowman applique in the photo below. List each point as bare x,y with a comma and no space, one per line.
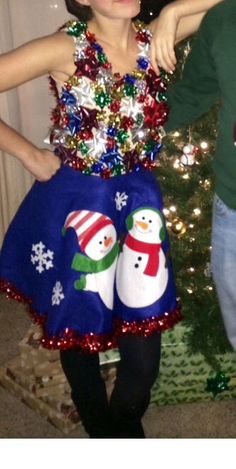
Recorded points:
142,273
98,241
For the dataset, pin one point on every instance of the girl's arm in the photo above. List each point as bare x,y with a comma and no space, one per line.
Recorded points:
176,21
19,66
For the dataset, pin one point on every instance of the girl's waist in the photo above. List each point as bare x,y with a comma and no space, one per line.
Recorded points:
108,164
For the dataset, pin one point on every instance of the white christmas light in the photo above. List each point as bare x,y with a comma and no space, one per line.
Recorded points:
176,164
204,145
166,212
197,212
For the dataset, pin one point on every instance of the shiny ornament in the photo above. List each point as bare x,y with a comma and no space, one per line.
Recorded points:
162,97
218,384
178,227
188,156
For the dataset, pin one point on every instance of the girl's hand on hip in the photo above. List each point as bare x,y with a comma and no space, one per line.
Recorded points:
43,165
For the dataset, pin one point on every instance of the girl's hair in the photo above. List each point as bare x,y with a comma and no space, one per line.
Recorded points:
83,13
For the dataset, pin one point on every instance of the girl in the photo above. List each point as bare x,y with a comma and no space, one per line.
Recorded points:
88,249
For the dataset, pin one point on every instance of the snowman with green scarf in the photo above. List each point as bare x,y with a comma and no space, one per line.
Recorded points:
98,241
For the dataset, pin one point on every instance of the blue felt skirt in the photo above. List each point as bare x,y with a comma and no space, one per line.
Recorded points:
91,259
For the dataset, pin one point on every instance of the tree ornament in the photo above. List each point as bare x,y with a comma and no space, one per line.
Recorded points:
178,227
218,384
188,156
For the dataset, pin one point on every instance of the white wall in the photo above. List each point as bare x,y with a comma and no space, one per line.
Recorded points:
28,108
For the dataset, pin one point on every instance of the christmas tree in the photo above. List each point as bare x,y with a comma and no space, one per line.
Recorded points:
186,178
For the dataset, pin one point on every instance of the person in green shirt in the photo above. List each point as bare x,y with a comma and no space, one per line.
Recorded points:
208,78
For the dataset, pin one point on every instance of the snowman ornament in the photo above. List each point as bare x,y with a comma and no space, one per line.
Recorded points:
142,273
98,242
188,158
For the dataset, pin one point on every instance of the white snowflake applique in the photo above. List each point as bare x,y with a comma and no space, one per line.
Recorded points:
42,257
57,294
121,200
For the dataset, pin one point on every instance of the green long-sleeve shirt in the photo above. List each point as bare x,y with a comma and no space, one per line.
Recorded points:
209,77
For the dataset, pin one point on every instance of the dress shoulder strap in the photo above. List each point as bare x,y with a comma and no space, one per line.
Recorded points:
77,30
74,28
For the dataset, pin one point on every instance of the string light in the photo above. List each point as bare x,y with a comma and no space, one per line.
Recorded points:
197,212
204,146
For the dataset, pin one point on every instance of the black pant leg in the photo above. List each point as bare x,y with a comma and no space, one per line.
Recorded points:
88,391
136,374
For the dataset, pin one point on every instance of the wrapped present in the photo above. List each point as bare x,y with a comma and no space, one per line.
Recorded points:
36,377
31,350
62,414
25,379
46,368
183,378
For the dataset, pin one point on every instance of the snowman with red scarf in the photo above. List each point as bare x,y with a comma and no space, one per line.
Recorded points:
142,262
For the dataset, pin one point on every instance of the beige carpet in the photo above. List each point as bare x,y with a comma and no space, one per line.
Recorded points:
198,420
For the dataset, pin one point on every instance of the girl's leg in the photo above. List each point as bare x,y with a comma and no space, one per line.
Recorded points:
88,391
137,372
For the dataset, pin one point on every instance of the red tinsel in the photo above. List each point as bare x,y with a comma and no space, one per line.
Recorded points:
93,343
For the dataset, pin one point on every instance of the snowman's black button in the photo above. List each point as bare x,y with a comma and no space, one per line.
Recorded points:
136,266
139,258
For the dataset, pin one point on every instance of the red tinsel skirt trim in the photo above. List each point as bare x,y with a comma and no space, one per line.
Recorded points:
93,343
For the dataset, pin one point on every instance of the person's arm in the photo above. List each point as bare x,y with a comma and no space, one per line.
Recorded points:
19,66
194,94
176,21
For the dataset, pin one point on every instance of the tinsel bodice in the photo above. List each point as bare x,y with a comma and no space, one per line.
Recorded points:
106,124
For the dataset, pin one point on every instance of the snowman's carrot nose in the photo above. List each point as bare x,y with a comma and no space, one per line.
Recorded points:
108,242
142,224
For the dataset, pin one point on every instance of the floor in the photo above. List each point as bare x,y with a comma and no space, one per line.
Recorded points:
198,420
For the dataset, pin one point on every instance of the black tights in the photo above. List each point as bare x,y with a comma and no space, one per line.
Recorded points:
137,370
